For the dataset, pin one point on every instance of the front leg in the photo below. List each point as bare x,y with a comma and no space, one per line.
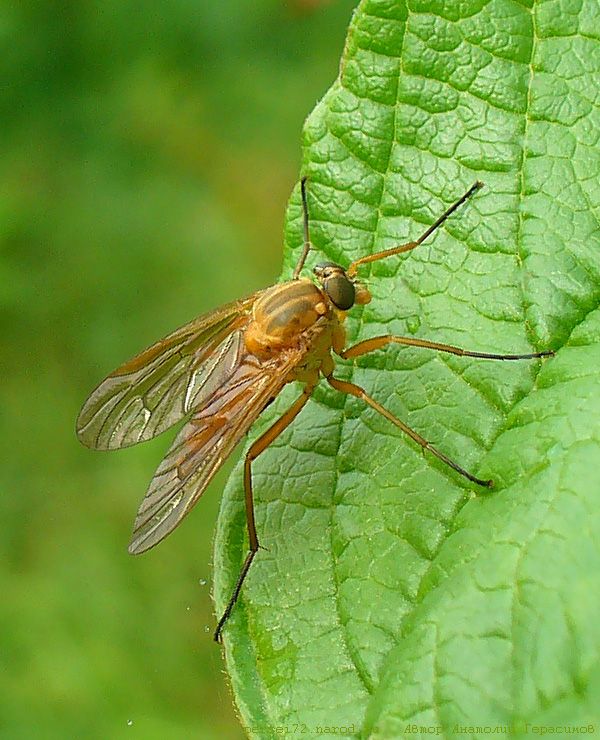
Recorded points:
370,345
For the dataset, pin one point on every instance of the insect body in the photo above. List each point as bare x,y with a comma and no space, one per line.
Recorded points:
221,370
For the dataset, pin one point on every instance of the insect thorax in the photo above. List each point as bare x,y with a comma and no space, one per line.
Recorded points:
282,314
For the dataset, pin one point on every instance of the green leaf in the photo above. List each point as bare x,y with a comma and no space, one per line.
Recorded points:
392,594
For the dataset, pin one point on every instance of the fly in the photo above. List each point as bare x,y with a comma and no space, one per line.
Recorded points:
220,371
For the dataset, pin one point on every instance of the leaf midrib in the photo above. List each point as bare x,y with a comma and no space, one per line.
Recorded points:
353,655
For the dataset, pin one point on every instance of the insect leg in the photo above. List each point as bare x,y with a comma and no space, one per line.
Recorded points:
351,271
369,345
255,449
307,243
355,390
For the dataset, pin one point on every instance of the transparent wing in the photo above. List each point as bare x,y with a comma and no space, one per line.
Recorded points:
205,442
162,384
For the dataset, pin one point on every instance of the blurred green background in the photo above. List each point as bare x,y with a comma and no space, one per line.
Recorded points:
147,153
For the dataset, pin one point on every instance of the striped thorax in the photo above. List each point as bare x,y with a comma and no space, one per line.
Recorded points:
282,314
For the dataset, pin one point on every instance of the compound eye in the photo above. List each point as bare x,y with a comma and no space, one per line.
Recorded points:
340,291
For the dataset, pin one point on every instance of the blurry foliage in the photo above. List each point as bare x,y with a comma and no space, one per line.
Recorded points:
148,150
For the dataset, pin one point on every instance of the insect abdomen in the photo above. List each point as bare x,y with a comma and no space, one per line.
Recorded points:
282,314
